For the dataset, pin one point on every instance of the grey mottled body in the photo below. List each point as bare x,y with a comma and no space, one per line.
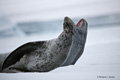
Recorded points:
44,56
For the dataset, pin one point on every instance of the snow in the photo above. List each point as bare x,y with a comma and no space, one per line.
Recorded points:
102,50
100,58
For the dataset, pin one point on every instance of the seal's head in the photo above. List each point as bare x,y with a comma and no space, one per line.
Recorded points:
81,25
68,24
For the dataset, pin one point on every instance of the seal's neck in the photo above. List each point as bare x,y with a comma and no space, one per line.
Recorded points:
65,38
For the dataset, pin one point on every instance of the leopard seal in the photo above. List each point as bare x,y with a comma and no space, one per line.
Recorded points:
44,56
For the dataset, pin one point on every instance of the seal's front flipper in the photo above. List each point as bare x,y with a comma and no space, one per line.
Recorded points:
17,54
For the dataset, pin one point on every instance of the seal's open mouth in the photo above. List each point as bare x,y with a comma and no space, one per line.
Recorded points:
80,23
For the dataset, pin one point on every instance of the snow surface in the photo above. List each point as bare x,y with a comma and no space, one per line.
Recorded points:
100,58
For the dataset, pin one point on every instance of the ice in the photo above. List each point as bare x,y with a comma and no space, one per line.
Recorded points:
8,28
